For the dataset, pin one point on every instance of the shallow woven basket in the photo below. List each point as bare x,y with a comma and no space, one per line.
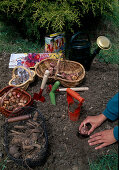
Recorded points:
26,83
5,91
65,66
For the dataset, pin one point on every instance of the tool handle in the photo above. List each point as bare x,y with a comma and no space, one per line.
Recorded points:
58,64
45,78
19,118
75,89
55,86
75,95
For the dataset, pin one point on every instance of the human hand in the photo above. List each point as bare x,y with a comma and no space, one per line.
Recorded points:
104,138
95,121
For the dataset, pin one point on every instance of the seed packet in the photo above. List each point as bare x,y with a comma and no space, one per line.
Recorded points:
55,43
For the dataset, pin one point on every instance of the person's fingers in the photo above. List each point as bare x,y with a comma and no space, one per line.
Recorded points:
96,142
96,134
81,126
94,139
101,146
91,130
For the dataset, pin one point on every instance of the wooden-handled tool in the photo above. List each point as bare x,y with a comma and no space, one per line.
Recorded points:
49,88
38,96
18,118
75,89
45,78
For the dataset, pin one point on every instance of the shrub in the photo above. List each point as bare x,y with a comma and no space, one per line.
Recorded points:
51,16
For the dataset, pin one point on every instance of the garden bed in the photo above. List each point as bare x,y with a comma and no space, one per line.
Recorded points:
66,150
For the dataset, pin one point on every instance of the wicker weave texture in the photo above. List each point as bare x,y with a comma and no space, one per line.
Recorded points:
25,84
5,91
66,66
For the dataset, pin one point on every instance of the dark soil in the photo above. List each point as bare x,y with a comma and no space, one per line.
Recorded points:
67,151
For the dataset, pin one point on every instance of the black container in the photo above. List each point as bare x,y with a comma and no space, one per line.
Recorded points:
80,49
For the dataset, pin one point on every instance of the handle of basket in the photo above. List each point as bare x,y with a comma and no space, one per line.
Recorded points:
13,72
58,64
36,65
13,77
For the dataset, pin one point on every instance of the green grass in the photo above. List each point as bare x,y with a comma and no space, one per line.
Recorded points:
12,42
106,162
110,27
114,18
111,55
3,164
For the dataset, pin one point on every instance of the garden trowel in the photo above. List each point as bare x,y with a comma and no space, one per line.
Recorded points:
38,96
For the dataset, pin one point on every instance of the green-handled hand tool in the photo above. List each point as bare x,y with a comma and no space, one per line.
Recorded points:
52,93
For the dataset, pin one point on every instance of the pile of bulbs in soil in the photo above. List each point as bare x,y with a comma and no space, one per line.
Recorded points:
63,75
13,100
26,139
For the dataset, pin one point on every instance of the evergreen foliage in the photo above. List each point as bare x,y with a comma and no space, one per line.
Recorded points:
51,15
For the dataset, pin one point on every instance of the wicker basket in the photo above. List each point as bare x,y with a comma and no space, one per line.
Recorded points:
26,83
65,66
5,91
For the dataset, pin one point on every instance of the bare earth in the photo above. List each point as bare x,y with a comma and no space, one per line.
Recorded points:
66,151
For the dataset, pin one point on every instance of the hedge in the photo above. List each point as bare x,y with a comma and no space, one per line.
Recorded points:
51,16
